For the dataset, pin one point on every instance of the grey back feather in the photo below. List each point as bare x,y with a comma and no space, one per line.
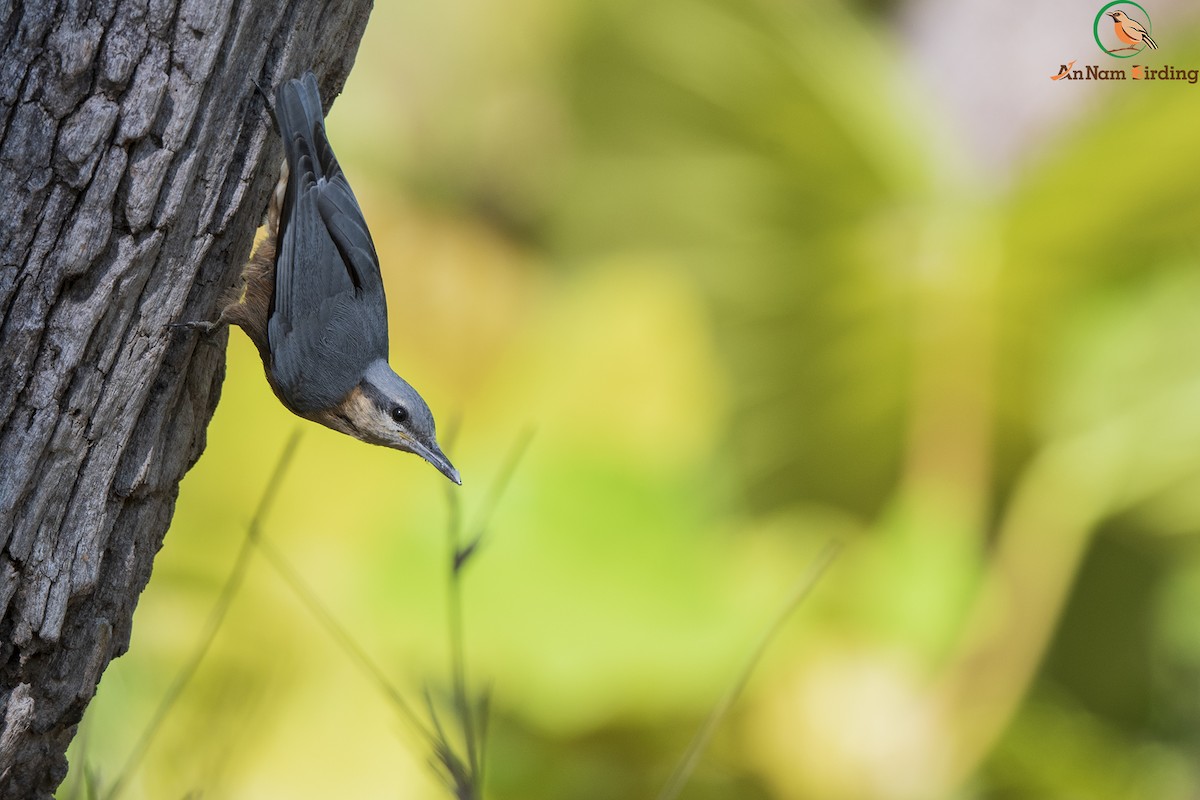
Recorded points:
328,320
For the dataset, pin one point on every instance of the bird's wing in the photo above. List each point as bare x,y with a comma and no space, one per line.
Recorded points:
1133,26
348,228
329,317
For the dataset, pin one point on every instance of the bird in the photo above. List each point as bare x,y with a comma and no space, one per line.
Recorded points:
1130,31
311,297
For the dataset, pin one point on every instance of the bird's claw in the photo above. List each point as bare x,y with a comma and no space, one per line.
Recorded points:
258,87
203,326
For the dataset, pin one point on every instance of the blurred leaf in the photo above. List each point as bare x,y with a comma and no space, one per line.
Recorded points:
716,132
1057,749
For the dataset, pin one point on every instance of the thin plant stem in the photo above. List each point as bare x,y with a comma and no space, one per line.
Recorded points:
454,615
339,634
498,488
82,740
801,590
473,729
216,619
454,627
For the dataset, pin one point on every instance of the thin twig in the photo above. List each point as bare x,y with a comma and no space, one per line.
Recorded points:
454,626
474,727
803,587
80,785
485,718
443,760
216,618
497,490
338,632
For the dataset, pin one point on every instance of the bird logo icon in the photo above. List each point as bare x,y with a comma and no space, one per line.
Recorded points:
1124,31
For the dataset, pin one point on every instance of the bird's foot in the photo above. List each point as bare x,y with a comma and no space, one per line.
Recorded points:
261,91
203,326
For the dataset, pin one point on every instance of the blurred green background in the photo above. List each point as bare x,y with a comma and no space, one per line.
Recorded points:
758,275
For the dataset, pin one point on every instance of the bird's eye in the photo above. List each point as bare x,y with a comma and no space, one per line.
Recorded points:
399,415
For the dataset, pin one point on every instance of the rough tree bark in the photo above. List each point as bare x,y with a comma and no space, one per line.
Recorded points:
135,164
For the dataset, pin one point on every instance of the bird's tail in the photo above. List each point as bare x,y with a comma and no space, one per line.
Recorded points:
301,120
1150,42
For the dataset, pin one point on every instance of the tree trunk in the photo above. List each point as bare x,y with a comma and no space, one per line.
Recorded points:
136,160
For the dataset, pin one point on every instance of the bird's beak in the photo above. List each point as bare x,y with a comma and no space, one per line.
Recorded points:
435,456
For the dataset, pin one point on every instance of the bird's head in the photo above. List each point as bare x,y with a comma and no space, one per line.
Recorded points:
385,410
1118,15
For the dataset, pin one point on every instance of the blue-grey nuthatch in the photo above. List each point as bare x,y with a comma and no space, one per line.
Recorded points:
311,297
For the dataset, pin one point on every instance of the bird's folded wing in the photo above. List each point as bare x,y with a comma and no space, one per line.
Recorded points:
329,318
325,330
348,230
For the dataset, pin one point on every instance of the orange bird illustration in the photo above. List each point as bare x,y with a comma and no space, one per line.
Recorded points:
1130,31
